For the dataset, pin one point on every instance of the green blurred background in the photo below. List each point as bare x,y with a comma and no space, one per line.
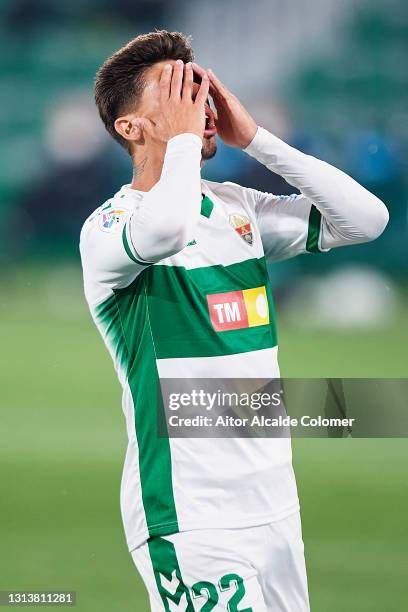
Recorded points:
329,77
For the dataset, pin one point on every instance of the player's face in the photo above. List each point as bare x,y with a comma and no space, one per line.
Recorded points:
149,105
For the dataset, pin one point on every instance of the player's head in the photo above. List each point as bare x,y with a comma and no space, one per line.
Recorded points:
127,84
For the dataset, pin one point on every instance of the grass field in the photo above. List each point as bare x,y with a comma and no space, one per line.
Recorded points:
63,443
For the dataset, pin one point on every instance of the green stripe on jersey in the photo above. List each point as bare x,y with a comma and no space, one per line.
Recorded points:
313,235
178,309
128,249
126,324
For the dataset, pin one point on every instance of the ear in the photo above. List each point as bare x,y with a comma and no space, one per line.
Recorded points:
130,129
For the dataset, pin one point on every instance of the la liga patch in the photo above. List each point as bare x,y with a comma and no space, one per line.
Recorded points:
109,220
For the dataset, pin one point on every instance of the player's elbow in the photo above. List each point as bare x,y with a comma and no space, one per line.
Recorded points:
377,220
175,239
168,239
159,236
367,226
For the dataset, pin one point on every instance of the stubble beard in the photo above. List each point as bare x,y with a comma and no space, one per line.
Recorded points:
209,148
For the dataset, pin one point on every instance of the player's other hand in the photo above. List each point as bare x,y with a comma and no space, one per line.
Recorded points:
234,124
178,113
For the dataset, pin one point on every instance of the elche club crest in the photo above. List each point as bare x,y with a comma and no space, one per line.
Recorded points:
242,226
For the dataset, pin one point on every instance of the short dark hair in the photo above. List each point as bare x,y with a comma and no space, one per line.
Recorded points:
120,80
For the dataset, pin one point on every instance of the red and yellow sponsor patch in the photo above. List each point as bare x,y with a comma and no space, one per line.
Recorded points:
238,309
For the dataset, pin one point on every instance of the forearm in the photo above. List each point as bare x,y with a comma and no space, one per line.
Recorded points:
351,214
165,218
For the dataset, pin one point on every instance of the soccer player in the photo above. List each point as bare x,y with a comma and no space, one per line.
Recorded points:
175,276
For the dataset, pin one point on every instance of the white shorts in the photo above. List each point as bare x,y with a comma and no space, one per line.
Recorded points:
255,569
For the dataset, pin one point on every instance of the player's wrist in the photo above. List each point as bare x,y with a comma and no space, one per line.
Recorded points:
248,135
198,133
252,141
185,139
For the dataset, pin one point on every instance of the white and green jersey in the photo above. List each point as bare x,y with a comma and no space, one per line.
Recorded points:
205,310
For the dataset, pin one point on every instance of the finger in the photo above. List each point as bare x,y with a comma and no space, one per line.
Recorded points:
188,81
177,80
219,87
202,95
165,80
199,71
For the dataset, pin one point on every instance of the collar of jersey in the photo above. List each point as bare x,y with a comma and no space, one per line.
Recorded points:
129,191
207,206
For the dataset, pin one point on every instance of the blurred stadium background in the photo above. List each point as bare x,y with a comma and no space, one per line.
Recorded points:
330,78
